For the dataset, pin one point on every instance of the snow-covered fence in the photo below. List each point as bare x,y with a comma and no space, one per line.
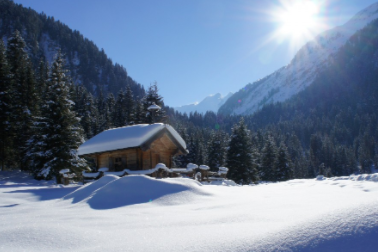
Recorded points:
160,171
66,176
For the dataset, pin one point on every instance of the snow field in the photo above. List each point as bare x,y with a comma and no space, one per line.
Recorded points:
116,214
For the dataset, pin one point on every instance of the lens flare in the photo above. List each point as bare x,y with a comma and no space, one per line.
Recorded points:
298,19
296,22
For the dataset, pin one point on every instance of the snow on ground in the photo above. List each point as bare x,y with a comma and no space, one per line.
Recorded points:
138,213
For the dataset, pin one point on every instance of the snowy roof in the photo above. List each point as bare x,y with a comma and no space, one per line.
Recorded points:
153,107
223,169
129,137
191,166
64,171
204,167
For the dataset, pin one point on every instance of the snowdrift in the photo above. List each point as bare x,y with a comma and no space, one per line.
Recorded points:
112,191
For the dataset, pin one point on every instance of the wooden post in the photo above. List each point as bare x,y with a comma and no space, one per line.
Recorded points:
98,162
137,158
151,159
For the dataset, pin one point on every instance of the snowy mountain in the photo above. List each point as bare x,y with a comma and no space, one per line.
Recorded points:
302,70
210,103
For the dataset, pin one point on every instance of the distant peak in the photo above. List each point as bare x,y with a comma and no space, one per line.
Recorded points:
209,103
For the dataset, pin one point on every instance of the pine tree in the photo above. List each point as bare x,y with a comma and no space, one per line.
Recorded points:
37,147
152,97
191,157
42,78
119,114
240,161
5,109
129,105
217,150
101,115
107,123
31,111
283,164
88,116
268,158
24,95
315,152
366,152
62,132
200,151
139,116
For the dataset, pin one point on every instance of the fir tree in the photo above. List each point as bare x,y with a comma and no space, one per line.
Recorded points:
101,114
242,168
100,103
129,105
200,151
366,152
119,114
62,131
139,116
24,95
152,97
283,164
5,109
268,158
88,121
217,150
42,78
191,157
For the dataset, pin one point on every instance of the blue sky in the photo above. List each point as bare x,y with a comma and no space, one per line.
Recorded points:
191,48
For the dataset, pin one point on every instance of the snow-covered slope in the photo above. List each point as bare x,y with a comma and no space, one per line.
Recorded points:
302,70
138,213
210,103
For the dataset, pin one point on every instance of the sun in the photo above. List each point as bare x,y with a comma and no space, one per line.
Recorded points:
297,20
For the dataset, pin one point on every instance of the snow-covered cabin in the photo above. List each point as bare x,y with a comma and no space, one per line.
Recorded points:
136,147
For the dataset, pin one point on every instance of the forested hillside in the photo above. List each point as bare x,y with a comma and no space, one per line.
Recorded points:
330,128
89,66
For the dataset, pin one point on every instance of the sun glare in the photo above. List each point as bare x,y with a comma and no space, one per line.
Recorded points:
297,20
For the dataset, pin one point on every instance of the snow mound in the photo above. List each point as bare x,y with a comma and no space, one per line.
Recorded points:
320,177
112,192
88,189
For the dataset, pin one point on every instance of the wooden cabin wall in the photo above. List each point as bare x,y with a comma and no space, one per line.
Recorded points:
161,151
146,160
164,149
128,159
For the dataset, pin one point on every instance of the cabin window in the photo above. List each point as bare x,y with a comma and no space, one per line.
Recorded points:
119,163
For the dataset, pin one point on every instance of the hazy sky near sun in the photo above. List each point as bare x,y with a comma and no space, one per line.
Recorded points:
193,48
